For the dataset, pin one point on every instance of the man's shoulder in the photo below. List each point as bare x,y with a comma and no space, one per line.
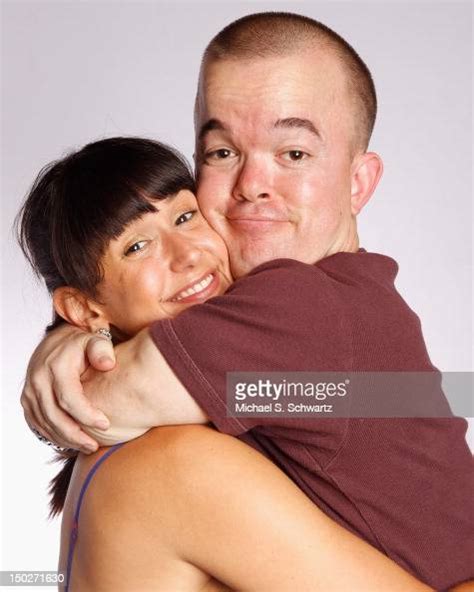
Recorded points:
278,279
286,297
360,267
289,277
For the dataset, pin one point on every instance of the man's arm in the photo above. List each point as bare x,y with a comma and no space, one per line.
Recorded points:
139,391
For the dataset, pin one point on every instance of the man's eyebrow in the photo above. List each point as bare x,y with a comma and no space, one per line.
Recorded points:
306,124
211,124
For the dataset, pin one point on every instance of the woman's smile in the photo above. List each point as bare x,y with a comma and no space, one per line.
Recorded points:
201,290
162,263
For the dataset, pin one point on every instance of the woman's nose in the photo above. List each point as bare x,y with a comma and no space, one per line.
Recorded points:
183,253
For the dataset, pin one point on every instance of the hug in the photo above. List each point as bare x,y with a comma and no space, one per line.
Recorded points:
162,283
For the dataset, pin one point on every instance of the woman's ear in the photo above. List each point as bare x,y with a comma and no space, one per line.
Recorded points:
367,169
79,310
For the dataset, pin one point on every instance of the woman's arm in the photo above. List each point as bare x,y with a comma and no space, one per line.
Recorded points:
203,499
75,376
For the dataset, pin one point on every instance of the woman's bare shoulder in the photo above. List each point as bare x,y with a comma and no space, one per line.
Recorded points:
165,458
131,515
162,475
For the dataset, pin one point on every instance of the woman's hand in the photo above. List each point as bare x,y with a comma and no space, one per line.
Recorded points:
53,394
81,393
139,393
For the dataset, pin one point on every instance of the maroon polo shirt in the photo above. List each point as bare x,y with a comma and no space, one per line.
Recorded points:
405,485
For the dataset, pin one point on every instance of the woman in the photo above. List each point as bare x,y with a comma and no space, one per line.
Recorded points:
114,230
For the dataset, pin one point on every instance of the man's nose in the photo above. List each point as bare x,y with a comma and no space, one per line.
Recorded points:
183,252
253,182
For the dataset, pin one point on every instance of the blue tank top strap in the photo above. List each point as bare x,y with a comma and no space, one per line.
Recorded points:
75,522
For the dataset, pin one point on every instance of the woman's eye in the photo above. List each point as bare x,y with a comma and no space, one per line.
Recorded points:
138,246
185,217
295,155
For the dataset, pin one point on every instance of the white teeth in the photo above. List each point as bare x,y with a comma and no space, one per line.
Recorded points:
199,287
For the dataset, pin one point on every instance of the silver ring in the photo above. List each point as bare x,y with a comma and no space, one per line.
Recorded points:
105,333
48,442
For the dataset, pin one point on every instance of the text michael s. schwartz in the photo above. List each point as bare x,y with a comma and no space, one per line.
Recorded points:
274,390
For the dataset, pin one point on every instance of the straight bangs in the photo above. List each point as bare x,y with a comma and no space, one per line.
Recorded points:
79,204
98,211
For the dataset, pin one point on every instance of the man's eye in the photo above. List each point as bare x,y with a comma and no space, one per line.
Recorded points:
295,155
138,246
185,217
220,154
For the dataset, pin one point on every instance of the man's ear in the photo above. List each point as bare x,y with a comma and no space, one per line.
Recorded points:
367,169
79,310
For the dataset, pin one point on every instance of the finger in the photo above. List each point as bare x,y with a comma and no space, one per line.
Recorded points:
65,429
69,395
68,435
28,410
66,432
33,415
41,428
101,354
45,437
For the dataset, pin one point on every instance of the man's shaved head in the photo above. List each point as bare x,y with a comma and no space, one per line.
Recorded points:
284,113
278,34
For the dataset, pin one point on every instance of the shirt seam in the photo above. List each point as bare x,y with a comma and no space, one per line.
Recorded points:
189,362
342,490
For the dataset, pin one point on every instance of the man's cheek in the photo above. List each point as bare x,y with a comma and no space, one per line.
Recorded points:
212,206
215,183
205,195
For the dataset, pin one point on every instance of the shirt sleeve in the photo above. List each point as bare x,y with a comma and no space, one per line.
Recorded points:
283,316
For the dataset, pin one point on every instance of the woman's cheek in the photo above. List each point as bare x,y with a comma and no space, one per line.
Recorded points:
212,242
150,279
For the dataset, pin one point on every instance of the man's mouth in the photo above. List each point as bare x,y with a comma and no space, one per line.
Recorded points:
256,220
261,216
199,290
257,226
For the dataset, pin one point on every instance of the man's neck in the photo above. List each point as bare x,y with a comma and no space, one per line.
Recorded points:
350,243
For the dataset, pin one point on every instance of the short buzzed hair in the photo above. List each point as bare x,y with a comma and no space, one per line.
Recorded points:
274,34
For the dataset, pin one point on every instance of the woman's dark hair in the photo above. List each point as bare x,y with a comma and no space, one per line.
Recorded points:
77,205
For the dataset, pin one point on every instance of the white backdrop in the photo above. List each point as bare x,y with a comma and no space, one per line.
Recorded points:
73,72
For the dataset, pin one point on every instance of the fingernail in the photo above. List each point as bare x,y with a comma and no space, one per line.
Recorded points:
102,424
88,448
105,359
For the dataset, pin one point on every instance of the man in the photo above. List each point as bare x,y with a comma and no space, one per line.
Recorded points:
284,113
